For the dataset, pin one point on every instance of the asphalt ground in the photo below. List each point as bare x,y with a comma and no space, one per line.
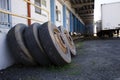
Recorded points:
95,60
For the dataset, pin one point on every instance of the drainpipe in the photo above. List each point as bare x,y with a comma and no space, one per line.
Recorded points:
29,13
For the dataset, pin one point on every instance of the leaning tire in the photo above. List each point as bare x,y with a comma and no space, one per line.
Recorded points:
34,46
17,46
69,40
54,44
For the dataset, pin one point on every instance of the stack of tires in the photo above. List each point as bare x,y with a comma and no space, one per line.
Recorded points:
40,44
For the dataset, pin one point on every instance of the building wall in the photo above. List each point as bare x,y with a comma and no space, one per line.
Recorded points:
67,20
44,17
20,8
89,29
60,8
5,57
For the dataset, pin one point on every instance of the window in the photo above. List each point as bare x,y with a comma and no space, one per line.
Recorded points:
43,3
58,14
67,19
40,3
4,18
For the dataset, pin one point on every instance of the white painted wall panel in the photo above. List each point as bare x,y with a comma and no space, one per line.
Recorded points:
40,16
6,58
60,8
68,20
19,7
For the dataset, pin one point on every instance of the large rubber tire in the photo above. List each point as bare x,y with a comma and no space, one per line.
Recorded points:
69,40
54,44
34,45
17,47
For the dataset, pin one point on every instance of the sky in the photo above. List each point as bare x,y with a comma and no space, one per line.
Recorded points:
97,11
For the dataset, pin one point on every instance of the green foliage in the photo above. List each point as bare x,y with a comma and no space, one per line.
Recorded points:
79,44
75,72
59,68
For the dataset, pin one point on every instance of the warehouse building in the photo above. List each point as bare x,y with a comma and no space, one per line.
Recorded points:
75,15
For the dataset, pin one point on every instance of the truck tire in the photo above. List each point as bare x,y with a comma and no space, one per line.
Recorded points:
110,34
69,40
34,45
99,35
54,45
17,46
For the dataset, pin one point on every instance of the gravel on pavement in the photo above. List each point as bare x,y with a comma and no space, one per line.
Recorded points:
95,60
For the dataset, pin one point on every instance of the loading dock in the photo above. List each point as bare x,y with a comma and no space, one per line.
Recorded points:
39,11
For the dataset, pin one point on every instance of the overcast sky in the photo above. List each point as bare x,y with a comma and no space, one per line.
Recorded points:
97,12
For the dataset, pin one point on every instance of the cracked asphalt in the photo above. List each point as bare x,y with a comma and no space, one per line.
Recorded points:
95,60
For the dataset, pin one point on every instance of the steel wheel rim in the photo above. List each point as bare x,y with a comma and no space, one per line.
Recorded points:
59,39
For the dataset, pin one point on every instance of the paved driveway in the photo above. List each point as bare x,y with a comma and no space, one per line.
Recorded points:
95,60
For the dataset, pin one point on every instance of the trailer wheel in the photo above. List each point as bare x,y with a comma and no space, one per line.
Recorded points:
100,34
54,44
34,45
17,46
110,34
69,41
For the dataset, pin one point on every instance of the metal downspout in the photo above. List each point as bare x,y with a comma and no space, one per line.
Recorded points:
29,13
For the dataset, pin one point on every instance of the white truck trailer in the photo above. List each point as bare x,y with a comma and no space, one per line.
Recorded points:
110,17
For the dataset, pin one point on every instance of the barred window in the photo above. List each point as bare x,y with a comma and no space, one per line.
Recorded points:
58,14
43,2
4,18
40,3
